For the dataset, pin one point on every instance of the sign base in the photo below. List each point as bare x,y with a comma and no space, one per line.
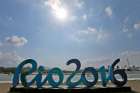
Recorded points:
95,90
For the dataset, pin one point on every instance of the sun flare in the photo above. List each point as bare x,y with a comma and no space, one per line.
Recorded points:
61,13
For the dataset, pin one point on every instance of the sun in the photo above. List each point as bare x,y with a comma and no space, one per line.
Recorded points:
61,13
58,9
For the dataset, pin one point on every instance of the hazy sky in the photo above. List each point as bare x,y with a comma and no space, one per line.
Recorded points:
54,31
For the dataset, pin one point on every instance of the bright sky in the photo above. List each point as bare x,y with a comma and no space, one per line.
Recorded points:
54,31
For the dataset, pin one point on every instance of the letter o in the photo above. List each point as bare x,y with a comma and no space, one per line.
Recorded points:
51,81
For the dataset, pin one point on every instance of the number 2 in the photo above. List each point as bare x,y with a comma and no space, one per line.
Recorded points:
78,66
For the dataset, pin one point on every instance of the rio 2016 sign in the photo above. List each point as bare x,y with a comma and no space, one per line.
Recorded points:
105,77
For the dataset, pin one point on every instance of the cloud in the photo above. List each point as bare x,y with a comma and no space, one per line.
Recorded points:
16,40
73,18
108,11
85,17
137,26
9,59
79,3
90,34
54,4
10,18
130,35
1,44
126,27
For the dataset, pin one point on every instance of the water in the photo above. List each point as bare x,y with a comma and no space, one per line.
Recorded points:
133,75
5,77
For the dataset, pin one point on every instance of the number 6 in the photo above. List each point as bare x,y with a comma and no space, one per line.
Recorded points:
121,72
